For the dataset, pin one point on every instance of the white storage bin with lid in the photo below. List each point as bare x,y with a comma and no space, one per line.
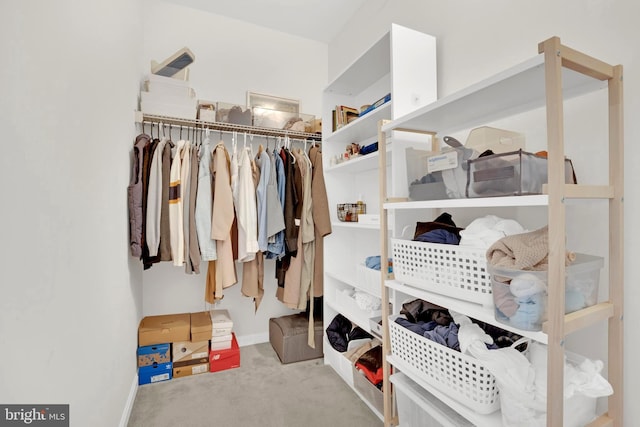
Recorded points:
520,297
452,270
221,323
419,408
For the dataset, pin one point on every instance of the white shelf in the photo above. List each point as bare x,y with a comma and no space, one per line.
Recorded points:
342,366
515,90
358,164
475,311
355,225
480,202
491,420
364,71
346,277
356,318
362,128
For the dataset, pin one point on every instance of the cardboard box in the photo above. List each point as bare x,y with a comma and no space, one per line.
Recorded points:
221,323
200,326
154,373
150,354
185,351
186,371
164,329
220,360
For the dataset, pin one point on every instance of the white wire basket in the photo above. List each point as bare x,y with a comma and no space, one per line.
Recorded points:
452,270
460,376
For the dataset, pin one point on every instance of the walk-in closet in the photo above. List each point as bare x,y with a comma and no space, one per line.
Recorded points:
319,213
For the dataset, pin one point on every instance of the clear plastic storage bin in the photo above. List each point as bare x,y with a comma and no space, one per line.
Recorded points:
423,185
515,173
520,297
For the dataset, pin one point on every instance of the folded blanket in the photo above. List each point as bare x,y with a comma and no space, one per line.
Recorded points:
526,251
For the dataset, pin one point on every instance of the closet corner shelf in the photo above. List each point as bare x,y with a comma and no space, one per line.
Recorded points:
480,202
368,162
355,225
362,128
473,310
141,117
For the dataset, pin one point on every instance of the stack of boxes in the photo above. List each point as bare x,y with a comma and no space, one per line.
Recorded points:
178,345
155,334
192,357
168,96
225,353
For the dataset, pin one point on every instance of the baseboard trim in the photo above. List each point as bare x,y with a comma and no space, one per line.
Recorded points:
126,413
252,339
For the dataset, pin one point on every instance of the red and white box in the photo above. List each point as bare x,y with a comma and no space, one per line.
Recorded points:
220,360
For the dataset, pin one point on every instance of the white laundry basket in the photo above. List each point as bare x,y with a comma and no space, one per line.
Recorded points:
452,270
460,376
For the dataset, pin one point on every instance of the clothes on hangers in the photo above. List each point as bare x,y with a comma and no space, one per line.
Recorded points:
175,207
222,220
135,195
204,202
199,204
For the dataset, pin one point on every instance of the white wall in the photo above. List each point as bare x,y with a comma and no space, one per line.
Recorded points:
478,39
232,57
70,299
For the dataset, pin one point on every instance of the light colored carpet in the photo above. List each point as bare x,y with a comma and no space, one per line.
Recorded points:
261,392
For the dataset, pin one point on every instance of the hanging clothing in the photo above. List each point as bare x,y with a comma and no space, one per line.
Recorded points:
222,220
175,207
321,217
134,196
264,164
193,260
253,270
148,152
154,200
275,216
185,196
306,233
204,201
275,248
164,251
292,276
246,209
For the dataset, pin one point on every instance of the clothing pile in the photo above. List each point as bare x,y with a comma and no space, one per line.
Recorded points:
194,202
521,300
437,324
367,359
341,332
522,379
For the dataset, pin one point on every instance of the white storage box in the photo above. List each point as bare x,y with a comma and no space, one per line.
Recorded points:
520,297
456,271
419,408
340,364
370,392
186,110
460,376
221,324
376,325
368,279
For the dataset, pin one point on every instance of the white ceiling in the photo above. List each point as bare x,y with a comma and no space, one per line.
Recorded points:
319,20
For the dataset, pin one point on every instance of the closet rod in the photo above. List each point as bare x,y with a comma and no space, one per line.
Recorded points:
228,127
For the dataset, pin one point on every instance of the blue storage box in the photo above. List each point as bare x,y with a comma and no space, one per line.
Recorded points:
157,353
155,373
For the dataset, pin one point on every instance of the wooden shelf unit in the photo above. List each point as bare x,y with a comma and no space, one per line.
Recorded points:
556,74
